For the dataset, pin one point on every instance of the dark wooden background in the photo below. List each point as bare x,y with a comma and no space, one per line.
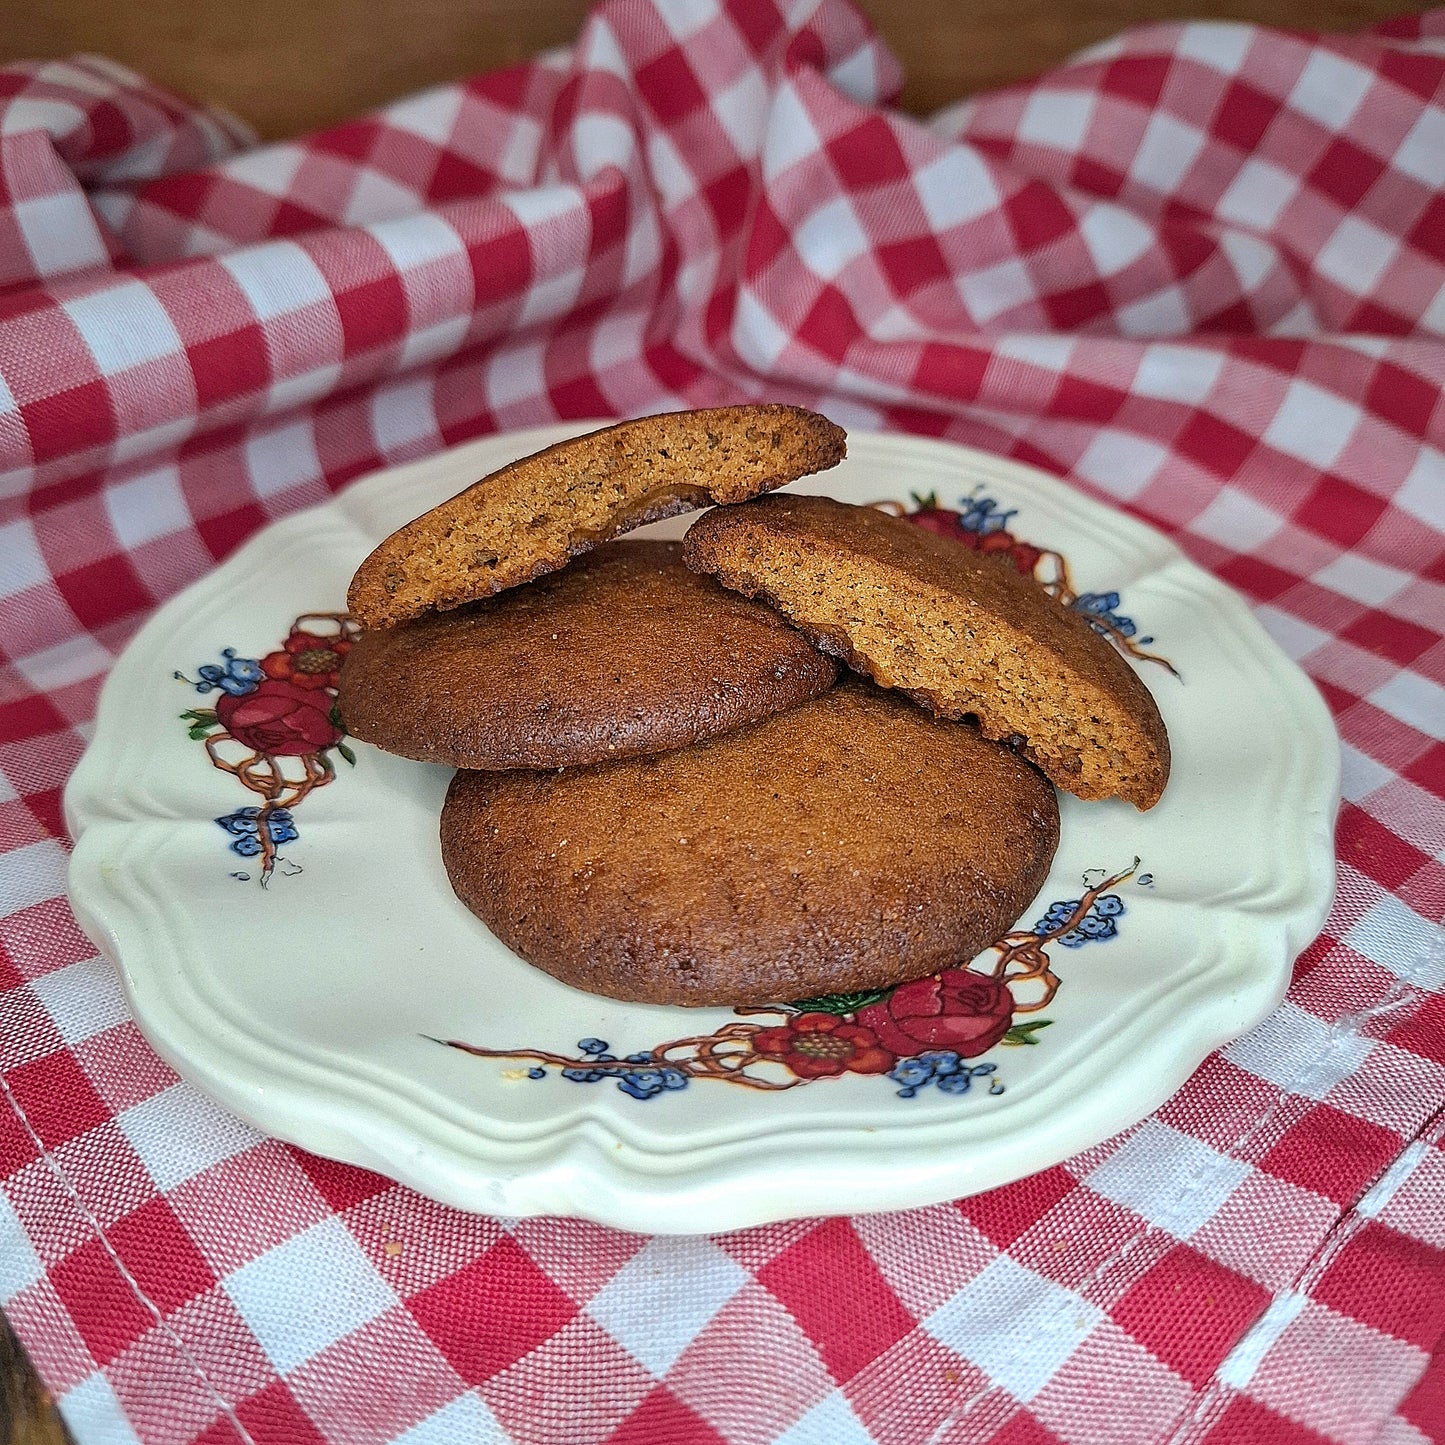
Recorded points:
292,65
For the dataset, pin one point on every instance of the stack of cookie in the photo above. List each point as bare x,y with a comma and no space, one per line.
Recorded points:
666,793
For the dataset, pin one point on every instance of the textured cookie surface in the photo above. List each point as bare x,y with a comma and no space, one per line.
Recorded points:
533,515
624,652
850,843
960,632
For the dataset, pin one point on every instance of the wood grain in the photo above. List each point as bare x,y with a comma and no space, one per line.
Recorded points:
27,1415
291,65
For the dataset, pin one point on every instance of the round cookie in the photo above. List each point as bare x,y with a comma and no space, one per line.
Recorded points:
958,631
530,517
624,652
851,843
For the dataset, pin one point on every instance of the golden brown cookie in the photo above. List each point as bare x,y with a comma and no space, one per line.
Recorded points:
960,632
532,516
850,843
624,652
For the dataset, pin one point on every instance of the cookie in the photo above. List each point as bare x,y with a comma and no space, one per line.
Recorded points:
530,517
851,843
958,631
624,652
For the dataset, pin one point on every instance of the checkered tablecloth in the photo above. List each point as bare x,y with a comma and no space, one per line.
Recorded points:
1199,271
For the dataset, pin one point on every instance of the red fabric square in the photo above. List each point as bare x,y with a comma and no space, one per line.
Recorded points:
1005,1214
70,421
1402,397
1244,114
1390,1281
1190,1311
1037,216
830,1285
868,155
224,532
58,1100
1332,1153
1424,1406
1428,233
668,85
373,314
1247,1422
1423,1032
31,715
229,366
489,1314
103,591
1341,511
17,1144
160,1255
100,1300
1366,844
272,1414
1346,171
1389,636
662,1419
1022,1429
340,1185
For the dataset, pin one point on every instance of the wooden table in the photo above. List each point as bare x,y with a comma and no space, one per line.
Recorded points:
288,67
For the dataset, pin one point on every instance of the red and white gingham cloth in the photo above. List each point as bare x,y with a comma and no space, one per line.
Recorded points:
1200,271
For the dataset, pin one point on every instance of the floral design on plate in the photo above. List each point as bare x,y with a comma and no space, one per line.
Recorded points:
917,1034
273,728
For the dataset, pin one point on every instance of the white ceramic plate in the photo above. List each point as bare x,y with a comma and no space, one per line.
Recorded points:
313,1006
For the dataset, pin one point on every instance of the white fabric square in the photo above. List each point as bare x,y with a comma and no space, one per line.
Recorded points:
1423,492
418,241
93,1413
402,415
1257,194
146,507
757,337
661,1299
303,387
1299,1052
308,1293
1177,373
600,141
31,875
1296,637
995,289
1356,254
1164,313
554,297
857,75
124,326
1052,353
1238,1366
516,375
432,343
21,564
1115,239
269,168
19,1264
1360,774
1415,700
466,1421
277,277
83,998
1122,463
670,175
1237,520
60,234
1015,1325
539,204
687,17
1057,118
643,248
830,1422
283,457
1397,938
955,188
1312,423
741,109
517,164
789,136
1168,149
1362,579
830,238
1251,258
1329,89
179,1133
1221,46
376,197
432,114
1422,153
1175,1182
